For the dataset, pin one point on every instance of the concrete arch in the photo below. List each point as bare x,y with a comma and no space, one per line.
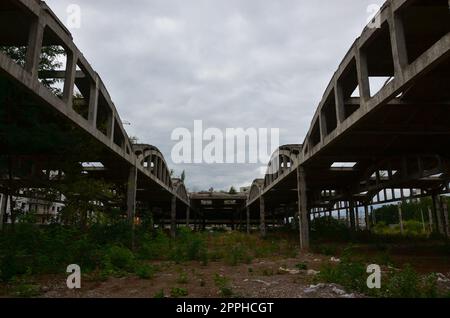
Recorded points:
151,159
255,189
180,189
283,160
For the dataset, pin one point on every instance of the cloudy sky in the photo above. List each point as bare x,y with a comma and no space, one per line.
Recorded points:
229,63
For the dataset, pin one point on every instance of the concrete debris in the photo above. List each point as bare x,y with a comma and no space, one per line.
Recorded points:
334,259
338,291
290,271
312,272
262,282
442,278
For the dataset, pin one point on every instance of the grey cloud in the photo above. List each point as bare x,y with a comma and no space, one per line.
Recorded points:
231,63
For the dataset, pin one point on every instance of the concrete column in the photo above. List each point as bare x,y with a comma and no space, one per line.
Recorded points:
445,212
363,76
340,103
302,208
69,81
366,217
437,214
247,211
323,126
398,43
347,220
35,38
173,217
430,220
262,217
110,126
423,221
374,218
131,194
357,218
3,206
339,214
93,105
352,215
400,218
188,212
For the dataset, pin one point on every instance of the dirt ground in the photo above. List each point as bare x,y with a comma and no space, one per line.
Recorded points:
263,278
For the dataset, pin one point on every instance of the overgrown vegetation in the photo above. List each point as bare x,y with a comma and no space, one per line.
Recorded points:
351,273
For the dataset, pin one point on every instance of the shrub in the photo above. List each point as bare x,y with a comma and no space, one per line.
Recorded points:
182,278
223,283
119,258
178,292
145,271
238,254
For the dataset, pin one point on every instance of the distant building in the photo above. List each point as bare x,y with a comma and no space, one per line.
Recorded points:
44,211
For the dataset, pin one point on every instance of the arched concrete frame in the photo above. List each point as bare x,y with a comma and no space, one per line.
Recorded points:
282,161
151,159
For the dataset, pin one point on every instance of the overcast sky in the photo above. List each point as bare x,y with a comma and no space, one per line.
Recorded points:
230,63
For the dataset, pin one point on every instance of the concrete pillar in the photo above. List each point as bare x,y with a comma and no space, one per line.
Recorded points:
262,217
357,218
374,218
363,75
438,214
398,43
188,212
69,81
366,217
323,126
131,194
173,217
3,206
430,220
35,38
423,221
400,218
247,210
340,103
302,208
347,219
339,214
93,105
445,212
352,215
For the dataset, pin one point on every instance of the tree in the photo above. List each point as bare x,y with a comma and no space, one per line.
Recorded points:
50,60
232,190
183,176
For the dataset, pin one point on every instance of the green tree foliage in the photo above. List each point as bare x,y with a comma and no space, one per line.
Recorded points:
50,60
232,190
